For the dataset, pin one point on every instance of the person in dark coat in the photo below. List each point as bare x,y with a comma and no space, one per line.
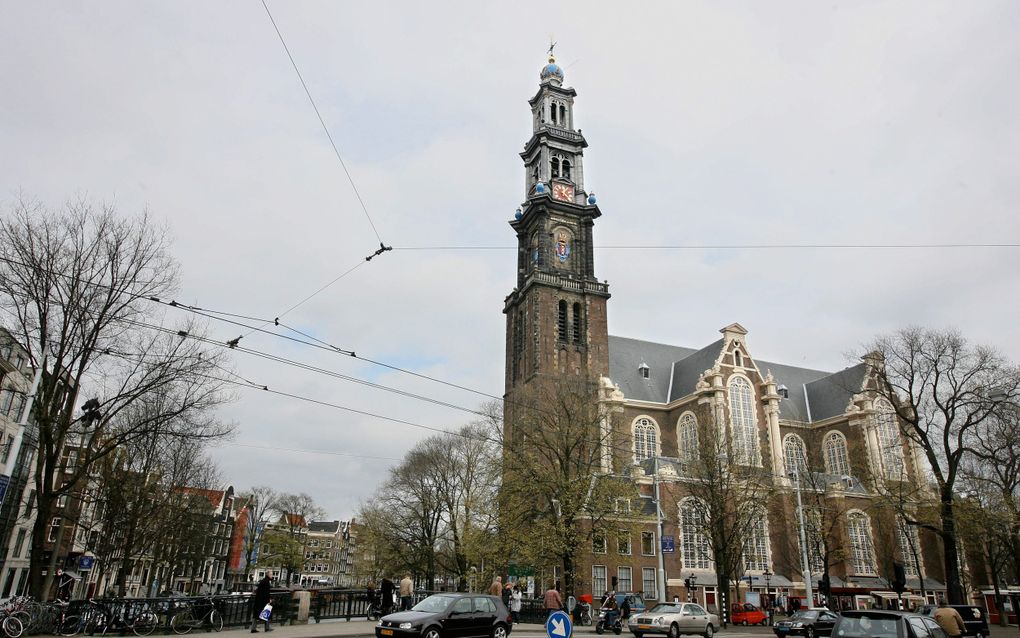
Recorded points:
387,596
259,601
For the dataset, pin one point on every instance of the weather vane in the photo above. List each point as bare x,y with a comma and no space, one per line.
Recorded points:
552,45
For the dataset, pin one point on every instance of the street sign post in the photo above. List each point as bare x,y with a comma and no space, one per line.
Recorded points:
558,625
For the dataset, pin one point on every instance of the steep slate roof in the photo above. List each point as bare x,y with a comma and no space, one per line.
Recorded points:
674,372
625,355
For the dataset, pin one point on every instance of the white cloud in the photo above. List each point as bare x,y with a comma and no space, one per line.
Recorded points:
791,122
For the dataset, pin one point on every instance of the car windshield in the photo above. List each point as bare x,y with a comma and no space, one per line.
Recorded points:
666,608
434,604
867,627
804,615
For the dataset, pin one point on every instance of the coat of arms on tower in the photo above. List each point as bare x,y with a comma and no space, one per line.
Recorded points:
562,245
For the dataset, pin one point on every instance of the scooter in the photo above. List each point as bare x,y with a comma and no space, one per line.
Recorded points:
616,626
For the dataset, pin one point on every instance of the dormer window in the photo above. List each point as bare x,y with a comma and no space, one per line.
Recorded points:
737,359
643,370
783,391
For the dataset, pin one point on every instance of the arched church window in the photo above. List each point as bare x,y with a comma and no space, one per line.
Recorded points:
563,115
742,416
566,169
646,439
561,321
836,459
889,440
795,455
552,112
554,167
862,550
578,325
687,433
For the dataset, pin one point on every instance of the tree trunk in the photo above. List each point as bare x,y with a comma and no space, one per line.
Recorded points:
722,596
950,555
568,575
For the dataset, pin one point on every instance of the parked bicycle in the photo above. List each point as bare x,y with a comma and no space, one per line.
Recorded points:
202,613
11,624
100,618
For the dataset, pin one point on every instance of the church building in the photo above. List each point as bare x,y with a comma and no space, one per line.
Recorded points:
822,433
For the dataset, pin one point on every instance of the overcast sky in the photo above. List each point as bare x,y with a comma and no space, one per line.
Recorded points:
708,124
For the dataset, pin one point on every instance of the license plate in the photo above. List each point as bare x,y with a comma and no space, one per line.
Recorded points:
644,626
386,632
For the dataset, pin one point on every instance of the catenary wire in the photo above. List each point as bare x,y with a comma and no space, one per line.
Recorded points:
332,143
738,246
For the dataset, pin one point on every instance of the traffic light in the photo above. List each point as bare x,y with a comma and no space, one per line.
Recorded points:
823,586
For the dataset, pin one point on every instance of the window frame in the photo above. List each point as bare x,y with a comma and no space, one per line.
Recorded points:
835,445
620,535
649,426
651,544
743,421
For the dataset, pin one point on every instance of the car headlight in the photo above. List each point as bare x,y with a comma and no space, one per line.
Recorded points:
405,625
798,624
379,624
659,620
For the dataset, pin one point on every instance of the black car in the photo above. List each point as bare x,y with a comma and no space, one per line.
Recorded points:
879,623
449,616
807,622
974,618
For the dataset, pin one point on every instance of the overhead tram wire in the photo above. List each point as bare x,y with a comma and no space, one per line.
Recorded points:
325,129
740,247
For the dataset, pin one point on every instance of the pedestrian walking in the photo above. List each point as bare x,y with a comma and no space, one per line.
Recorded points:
515,604
950,620
259,602
387,596
64,583
406,592
551,600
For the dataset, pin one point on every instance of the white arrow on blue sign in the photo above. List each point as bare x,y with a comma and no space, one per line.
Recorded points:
558,625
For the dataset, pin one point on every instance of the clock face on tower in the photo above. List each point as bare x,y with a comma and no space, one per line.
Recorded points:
563,192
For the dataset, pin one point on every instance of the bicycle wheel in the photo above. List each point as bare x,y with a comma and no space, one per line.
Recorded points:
24,617
145,623
69,626
182,622
12,627
215,620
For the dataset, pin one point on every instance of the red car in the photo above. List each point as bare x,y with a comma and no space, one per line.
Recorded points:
747,614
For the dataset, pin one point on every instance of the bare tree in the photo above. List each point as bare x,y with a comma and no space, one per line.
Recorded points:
726,502
559,489
74,286
261,504
943,390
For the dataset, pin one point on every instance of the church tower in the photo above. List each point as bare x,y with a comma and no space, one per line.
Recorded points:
556,316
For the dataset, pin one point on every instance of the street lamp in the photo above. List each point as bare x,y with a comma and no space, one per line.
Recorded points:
805,564
691,581
660,576
768,594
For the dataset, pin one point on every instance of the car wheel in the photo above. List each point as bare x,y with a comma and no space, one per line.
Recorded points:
674,631
709,631
637,634
432,632
744,622
809,632
499,631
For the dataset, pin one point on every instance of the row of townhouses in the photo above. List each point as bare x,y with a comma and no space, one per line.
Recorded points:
200,551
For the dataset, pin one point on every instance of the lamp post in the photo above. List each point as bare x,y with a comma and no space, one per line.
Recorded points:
692,580
768,594
805,564
660,576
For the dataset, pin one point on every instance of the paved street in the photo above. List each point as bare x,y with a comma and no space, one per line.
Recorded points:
358,628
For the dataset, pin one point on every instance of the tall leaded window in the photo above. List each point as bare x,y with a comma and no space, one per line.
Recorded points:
577,326
795,455
889,441
624,579
561,322
648,583
756,546
693,541
909,546
646,439
598,579
687,433
836,459
862,550
745,449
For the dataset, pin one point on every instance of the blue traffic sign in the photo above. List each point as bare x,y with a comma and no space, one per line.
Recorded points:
558,625
668,545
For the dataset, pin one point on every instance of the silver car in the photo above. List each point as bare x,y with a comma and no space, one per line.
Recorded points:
674,619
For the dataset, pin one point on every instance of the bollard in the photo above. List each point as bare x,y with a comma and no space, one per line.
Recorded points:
304,601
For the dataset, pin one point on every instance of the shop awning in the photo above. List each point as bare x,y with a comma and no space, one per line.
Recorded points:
929,584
